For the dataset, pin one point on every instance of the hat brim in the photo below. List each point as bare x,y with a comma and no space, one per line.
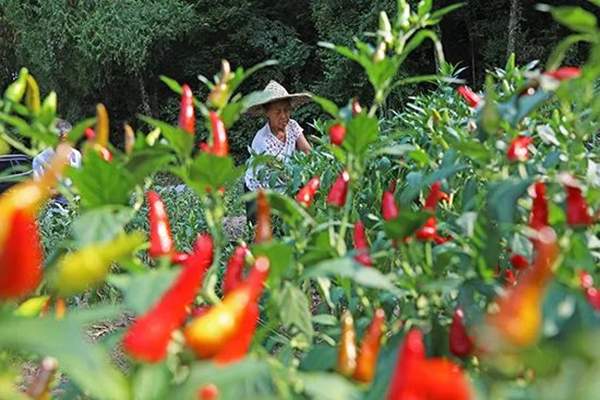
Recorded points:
296,100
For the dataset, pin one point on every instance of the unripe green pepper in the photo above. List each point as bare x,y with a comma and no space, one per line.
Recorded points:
16,90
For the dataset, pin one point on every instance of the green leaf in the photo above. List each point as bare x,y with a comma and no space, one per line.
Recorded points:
146,161
474,150
182,141
329,386
503,196
327,105
100,224
575,18
87,365
348,268
560,50
291,212
360,133
319,358
142,291
214,171
97,184
413,190
231,113
151,381
294,310
419,156
280,257
249,380
438,14
77,132
405,224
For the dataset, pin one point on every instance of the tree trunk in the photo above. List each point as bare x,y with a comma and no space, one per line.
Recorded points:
514,19
144,96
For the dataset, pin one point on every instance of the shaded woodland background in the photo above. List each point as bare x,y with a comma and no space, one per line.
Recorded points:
92,51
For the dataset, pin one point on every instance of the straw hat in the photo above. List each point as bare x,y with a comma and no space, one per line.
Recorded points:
275,92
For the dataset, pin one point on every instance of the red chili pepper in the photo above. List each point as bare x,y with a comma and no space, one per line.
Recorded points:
444,196
519,320
179,257
518,150
264,232
434,197
586,280
410,355
208,392
346,361
441,240
339,190
220,146
89,133
104,153
428,231
438,379
161,239
471,97
224,331
564,73
235,269
356,108
366,364
461,344
20,257
337,133
539,210
389,209
360,244
519,262
306,194
415,377
577,208
187,116
147,339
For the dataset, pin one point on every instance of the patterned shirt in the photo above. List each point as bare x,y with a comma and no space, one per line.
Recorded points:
265,142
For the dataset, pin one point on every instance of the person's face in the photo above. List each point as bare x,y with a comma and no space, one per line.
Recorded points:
278,114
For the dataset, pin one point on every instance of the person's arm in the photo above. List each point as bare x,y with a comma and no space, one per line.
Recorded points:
302,144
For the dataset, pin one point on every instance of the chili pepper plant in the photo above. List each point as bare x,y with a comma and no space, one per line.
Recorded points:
447,250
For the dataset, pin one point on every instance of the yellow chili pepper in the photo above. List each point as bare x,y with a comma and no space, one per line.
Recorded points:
32,96
101,125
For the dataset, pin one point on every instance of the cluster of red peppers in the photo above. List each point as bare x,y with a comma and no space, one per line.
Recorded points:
307,192
360,364
416,377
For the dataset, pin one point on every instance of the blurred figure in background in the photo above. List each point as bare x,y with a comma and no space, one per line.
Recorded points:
42,160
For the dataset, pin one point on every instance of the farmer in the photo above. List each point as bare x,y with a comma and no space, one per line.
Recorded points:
43,159
279,137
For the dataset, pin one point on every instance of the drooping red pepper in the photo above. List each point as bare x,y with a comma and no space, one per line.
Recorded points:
539,210
264,233
187,115
519,262
223,332
360,244
339,190
235,269
428,231
441,240
564,73
519,320
472,98
366,365
220,146
147,339
20,257
577,208
433,197
410,355
337,133
389,208
461,344
210,391
161,239
415,377
306,194
346,361
518,150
